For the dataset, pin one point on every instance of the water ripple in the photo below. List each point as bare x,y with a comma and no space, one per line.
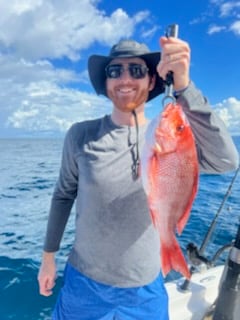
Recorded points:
20,297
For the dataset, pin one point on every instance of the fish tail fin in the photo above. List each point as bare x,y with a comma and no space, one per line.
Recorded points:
173,258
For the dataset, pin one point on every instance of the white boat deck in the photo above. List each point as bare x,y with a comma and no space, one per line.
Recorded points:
195,302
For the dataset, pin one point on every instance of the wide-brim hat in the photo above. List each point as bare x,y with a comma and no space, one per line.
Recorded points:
124,49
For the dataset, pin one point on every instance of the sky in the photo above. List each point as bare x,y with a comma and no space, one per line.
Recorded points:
45,45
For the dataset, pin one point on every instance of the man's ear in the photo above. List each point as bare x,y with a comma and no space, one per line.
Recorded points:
152,82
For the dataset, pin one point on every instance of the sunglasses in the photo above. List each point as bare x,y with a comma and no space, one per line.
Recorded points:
136,71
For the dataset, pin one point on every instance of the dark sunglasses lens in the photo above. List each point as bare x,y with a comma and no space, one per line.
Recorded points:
113,71
138,71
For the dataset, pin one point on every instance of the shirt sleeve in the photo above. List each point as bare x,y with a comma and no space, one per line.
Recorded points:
63,196
216,150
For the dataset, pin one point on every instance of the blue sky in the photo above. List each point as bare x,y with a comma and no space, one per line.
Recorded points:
45,44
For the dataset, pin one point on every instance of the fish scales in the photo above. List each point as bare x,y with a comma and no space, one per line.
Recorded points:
169,170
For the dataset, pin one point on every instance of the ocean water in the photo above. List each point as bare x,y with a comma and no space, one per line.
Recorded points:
28,171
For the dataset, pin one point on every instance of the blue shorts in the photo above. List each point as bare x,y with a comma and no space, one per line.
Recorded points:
84,299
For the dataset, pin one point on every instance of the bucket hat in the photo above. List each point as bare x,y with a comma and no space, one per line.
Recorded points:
124,49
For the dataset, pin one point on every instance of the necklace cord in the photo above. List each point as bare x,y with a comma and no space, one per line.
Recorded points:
137,158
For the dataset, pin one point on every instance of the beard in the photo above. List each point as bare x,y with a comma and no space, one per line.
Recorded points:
127,103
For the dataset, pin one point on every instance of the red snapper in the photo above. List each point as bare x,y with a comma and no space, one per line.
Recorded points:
169,170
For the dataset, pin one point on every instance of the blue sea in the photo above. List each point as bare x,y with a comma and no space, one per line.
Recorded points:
28,172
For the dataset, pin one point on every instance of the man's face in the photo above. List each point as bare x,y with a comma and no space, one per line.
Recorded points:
125,91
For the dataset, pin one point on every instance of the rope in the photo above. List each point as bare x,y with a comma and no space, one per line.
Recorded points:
136,160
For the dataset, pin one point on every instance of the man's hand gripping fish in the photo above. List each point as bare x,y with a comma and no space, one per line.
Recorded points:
169,169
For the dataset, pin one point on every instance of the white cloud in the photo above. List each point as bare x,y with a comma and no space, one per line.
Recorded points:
46,107
229,111
36,95
53,29
215,29
229,8
221,15
150,32
19,79
235,27
21,71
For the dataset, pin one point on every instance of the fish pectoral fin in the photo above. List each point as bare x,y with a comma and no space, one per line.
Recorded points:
158,149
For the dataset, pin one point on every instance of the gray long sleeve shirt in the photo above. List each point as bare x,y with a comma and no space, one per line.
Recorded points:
115,241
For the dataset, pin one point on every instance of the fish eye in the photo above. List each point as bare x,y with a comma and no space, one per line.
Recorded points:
180,128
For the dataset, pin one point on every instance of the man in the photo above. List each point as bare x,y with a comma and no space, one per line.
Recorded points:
113,271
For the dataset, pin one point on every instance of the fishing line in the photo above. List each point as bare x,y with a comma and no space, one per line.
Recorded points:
199,254
211,229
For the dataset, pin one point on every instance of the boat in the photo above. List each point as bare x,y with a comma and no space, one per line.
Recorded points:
213,292
195,302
